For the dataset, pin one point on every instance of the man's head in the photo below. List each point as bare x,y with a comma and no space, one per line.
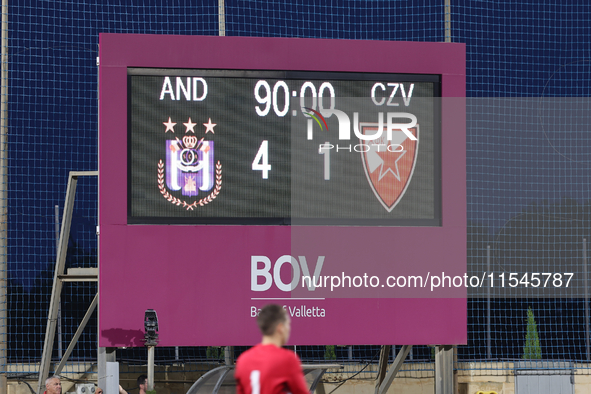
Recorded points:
142,383
274,322
53,385
98,391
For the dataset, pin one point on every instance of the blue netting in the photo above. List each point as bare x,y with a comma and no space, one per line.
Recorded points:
531,181
359,19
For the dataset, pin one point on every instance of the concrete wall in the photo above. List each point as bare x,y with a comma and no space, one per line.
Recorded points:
416,378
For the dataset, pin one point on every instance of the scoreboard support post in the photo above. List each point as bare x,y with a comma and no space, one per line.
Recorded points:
105,355
229,355
444,368
151,350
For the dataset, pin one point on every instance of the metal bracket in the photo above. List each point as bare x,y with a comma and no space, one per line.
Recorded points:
79,331
394,368
80,275
58,279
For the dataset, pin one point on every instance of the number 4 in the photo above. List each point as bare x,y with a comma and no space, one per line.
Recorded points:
261,160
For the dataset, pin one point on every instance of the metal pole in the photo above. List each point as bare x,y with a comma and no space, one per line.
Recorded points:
455,372
221,18
394,368
229,355
444,367
585,275
105,356
488,336
382,366
151,367
101,351
447,21
3,194
57,282
60,352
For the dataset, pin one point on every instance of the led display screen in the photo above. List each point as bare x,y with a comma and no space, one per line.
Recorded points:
283,147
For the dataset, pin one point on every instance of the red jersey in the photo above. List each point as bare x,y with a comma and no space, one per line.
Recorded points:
268,369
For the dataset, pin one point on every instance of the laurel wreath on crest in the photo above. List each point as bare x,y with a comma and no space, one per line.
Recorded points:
184,204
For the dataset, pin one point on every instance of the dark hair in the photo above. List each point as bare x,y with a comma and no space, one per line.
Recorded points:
141,380
270,316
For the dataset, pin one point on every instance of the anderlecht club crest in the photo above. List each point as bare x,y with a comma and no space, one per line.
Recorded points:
189,176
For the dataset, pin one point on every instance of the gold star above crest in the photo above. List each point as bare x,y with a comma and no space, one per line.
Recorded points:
169,125
209,126
190,126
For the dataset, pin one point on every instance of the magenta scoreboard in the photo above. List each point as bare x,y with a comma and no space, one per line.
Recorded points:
327,176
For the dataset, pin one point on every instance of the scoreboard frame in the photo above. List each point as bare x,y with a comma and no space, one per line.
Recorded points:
204,280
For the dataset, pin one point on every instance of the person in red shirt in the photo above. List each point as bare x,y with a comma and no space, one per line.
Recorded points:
267,368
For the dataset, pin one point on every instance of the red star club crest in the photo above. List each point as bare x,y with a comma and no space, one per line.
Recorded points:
389,164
